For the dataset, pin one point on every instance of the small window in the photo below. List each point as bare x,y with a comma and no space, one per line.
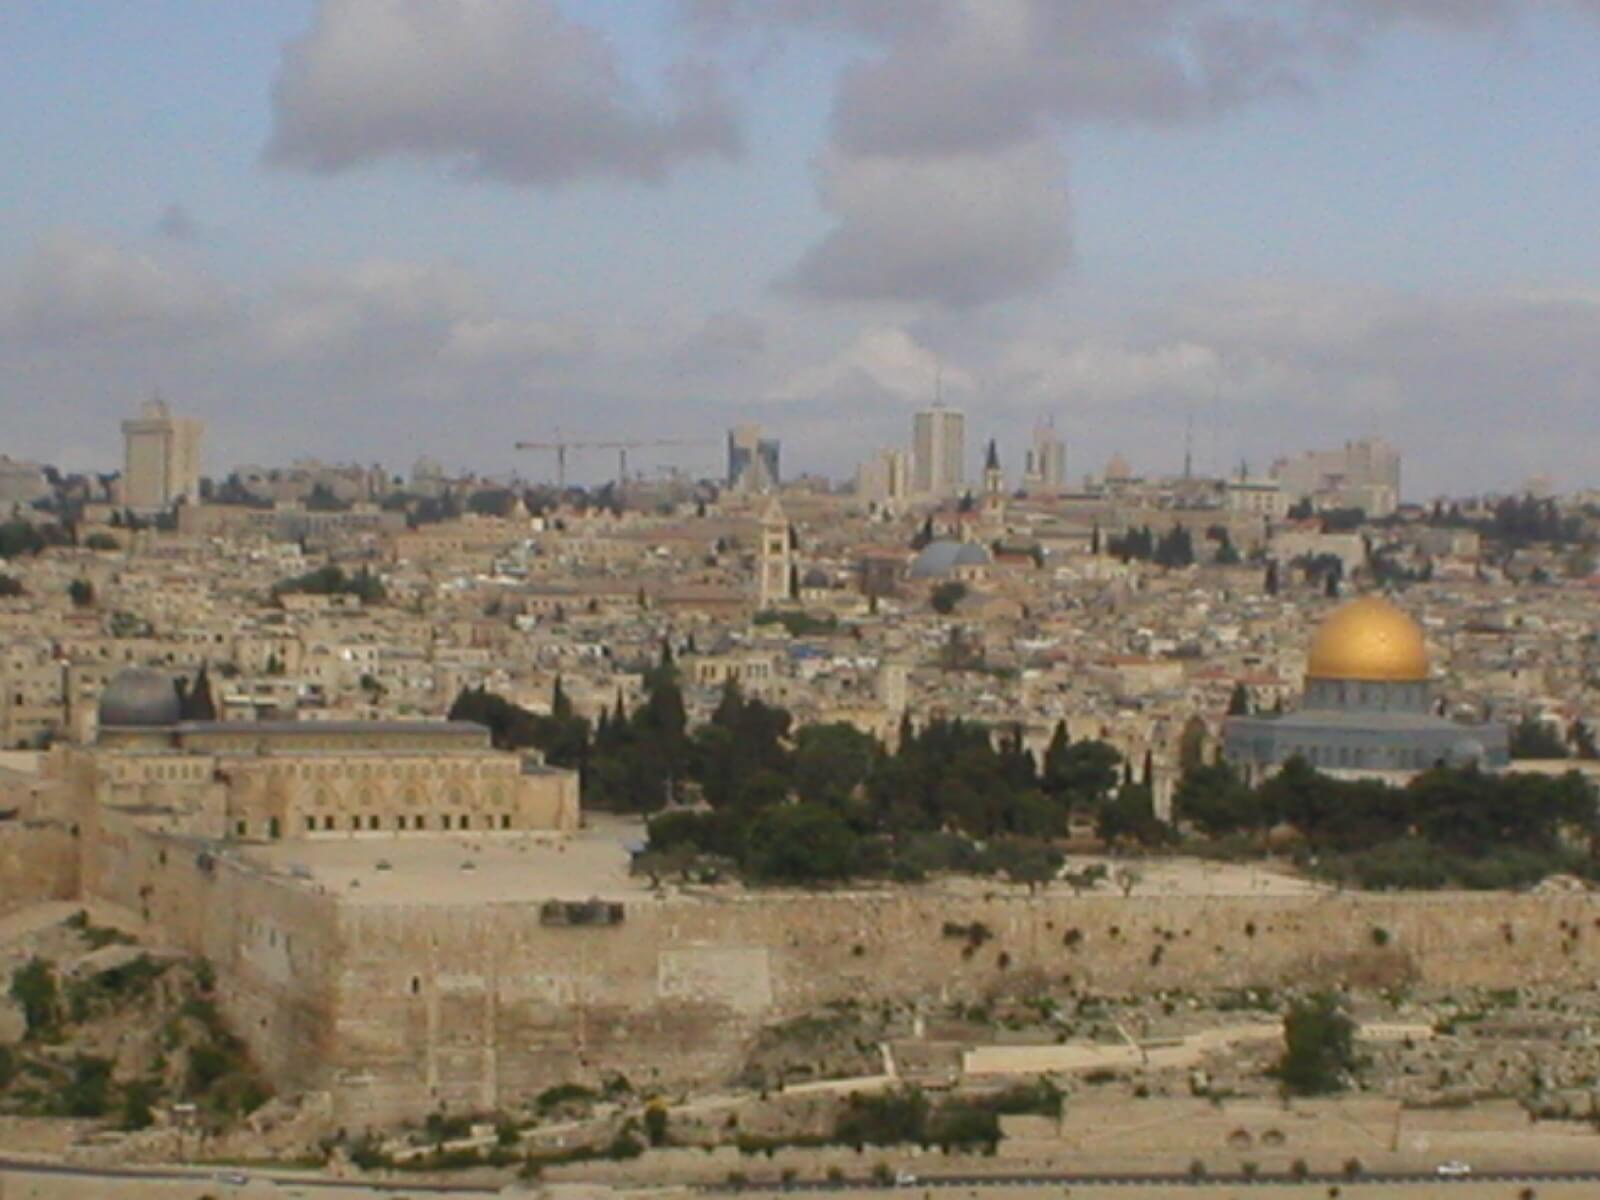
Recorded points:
240,828
505,820
466,820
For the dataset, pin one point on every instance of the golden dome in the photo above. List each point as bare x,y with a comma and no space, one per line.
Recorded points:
1369,639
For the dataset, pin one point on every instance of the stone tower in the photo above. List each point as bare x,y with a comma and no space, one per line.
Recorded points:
775,561
994,486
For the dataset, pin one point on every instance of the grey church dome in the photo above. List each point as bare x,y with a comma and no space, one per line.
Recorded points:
140,698
939,559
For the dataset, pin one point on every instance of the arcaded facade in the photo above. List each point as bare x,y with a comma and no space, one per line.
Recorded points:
271,780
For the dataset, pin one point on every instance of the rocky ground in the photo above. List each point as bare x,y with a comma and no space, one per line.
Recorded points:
111,1038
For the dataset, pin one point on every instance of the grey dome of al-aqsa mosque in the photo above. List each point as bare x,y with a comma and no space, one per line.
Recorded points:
140,698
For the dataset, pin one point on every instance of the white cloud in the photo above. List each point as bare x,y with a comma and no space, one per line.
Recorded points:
956,230
177,223
77,287
378,307
883,365
511,340
511,90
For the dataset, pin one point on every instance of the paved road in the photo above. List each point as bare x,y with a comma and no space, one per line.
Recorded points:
1035,1179
215,1173
1019,1180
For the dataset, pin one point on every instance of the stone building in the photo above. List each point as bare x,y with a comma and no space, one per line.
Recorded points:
273,780
162,458
1367,707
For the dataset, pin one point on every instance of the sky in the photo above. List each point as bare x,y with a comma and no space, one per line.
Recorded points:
372,230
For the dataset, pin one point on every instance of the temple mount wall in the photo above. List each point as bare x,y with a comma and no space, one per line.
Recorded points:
478,1007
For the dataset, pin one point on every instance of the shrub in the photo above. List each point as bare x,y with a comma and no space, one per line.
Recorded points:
88,1093
624,1146
883,1120
33,986
1319,1047
563,1093
137,1099
655,1125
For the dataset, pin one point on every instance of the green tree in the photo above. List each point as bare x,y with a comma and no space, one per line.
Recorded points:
832,763
800,843
655,1124
81,593
1239,701
1130,815
1532,738
1192,744
1083,774
138,1098
947,595
1318,1046
33,986
88,1092
1026,861
1215,800
198,703
883,1119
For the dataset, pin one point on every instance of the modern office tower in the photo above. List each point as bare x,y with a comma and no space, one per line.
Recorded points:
752,460
161,456
1363,474
938,451
1045,463
885,479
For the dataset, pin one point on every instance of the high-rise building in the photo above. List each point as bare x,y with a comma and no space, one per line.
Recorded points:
161,458
938,451
752,460
1363,474
1045,463
885,479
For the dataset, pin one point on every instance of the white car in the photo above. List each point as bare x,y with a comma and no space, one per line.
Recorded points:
1455,1167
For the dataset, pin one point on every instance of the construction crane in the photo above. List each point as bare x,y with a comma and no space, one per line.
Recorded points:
561,446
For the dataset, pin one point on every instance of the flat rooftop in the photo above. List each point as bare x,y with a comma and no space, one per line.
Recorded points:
433,868
526,868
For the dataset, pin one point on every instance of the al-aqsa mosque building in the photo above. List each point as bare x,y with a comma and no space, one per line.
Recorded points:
1367,708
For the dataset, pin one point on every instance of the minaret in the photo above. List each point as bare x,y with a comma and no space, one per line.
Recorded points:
775,559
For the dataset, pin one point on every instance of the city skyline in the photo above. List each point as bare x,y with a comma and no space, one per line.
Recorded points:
1340,221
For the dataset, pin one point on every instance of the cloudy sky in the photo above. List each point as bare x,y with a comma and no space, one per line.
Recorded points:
373,229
